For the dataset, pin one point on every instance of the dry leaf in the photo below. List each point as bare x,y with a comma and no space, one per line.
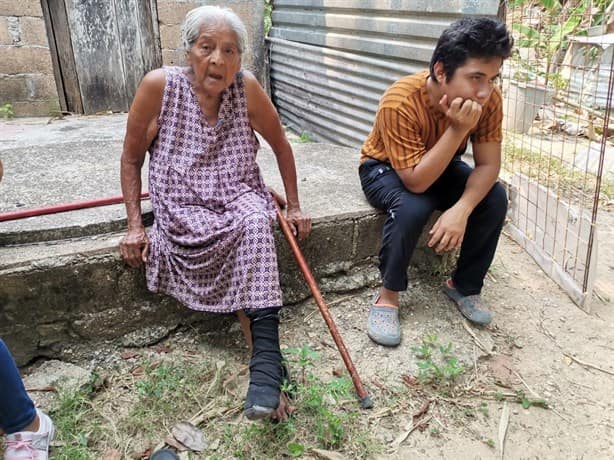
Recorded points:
215,444
410,428
137,371
410,380
425,407
403,436
112,454
129,354
338,372
41,389
567,360
190,436
172,441
327,454
162,349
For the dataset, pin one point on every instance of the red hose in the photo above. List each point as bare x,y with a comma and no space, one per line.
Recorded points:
15,215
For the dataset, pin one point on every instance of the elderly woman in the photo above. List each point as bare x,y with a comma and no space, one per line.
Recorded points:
211,245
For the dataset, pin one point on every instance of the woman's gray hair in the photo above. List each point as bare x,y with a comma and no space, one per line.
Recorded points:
210,15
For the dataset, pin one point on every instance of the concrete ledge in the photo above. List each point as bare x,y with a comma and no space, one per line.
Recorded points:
61,277
64,292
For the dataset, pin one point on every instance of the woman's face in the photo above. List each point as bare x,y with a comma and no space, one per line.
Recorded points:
215,58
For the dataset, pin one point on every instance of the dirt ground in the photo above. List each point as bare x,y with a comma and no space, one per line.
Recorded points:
536,333
534,346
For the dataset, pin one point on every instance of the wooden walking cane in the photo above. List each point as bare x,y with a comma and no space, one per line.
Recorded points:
365,400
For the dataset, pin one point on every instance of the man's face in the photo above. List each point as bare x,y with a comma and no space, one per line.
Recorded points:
474,80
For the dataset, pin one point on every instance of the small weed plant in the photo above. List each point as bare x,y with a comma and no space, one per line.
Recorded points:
305,138
268,11
527,402
151,396
76,425
165,389
320,420
437,366
6,111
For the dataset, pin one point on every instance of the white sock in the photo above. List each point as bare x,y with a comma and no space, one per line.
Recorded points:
44,422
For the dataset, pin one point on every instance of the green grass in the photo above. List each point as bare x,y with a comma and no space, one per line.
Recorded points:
170,392
326,417
150,397
552,172
75,424
304,138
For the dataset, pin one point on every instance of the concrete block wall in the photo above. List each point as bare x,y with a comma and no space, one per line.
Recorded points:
86,293
172,12
26,71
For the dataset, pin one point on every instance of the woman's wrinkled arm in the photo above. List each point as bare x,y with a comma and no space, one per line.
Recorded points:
141,130
265,120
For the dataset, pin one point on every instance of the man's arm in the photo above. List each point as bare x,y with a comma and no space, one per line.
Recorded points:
449,230
487,159
265,120
463,117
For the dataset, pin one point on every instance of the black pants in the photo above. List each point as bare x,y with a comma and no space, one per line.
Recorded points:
408,213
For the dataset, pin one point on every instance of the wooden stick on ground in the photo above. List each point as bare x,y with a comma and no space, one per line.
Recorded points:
585,364
475,338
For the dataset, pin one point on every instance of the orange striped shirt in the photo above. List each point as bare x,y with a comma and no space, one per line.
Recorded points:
407,125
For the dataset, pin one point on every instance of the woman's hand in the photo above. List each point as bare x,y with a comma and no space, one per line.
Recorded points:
134,247
299,222
281,201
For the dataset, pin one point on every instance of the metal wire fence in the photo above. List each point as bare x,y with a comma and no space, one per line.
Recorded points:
558,150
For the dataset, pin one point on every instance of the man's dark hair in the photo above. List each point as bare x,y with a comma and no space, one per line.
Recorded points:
471,38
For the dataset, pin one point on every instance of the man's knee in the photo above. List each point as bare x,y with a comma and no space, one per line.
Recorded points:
411,215
496,202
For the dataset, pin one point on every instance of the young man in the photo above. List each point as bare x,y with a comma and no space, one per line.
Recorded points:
411,166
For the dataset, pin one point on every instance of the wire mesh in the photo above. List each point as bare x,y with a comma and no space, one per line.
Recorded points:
558,149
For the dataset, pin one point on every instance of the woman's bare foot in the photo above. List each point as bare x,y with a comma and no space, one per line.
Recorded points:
284,410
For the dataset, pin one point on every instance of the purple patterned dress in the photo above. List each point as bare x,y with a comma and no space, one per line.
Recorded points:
212,246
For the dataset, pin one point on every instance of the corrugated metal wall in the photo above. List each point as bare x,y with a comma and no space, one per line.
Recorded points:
331,60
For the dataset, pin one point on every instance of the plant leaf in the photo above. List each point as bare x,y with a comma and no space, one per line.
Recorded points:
190,436
528,31
296,449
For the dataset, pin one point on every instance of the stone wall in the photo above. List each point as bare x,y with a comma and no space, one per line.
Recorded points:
27,79
26,71
251,12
